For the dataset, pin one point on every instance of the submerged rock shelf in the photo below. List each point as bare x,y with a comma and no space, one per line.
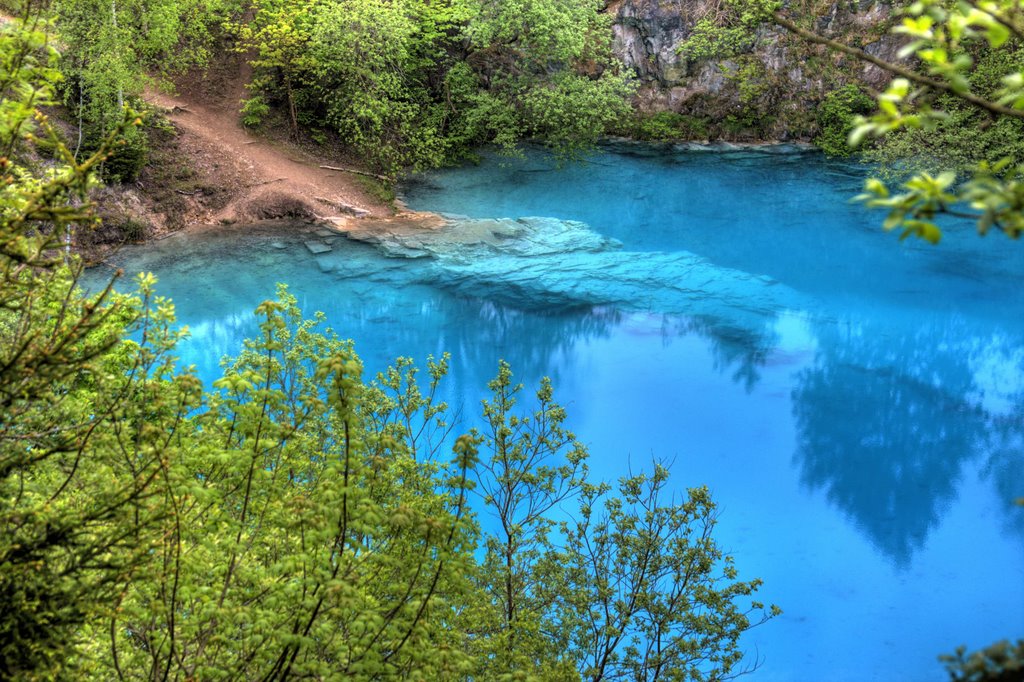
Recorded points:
551,263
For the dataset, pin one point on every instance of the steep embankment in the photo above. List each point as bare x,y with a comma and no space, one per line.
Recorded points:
210,169
263,178
267,178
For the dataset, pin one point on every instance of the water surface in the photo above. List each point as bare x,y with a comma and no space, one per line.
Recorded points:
854,403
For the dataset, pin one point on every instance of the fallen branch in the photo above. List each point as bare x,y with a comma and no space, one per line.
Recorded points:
357,172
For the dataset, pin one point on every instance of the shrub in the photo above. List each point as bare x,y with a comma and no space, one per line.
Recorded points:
999,662
835,118
254,110
668,125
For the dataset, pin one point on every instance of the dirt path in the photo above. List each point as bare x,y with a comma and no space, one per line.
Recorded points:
261,177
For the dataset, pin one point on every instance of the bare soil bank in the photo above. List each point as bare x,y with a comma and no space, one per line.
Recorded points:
209,169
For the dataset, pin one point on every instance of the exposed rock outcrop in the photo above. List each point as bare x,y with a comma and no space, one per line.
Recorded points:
766,90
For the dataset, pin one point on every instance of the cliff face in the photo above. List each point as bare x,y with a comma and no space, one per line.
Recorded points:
769,89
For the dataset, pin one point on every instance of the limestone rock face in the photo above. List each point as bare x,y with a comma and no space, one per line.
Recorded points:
647,33
772,89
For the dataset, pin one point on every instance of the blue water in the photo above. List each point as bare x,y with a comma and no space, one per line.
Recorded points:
854,403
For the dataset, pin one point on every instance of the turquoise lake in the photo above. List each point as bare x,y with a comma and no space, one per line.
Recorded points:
855,404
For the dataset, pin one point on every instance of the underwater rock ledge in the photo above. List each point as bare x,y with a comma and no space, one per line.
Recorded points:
549,263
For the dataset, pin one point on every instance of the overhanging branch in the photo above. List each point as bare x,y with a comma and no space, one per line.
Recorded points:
896,69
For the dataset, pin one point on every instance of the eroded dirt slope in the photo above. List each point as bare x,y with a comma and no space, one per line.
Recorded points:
252,176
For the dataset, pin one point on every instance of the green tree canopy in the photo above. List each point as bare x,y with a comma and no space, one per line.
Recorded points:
294,520
413,84
111,49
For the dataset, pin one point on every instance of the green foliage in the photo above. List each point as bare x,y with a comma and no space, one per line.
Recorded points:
127,158
1000,662
133,230
110,49
301,540
631,587
666,126
756,92
914,210
279,35
709,40
295,521
381,190
996,193
534,465
372,71
415,84
654,595
68,514
836,115
546,71
405,84
726,29
962,111
572,111
254,110
963,135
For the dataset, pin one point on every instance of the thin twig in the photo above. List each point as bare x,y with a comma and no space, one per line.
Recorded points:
357,172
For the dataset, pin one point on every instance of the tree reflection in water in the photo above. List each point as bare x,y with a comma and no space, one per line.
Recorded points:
887,423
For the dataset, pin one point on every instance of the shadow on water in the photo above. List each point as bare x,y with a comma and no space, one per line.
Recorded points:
534,345
738,351
393,304
887,423
746,350
389,305
1005,466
